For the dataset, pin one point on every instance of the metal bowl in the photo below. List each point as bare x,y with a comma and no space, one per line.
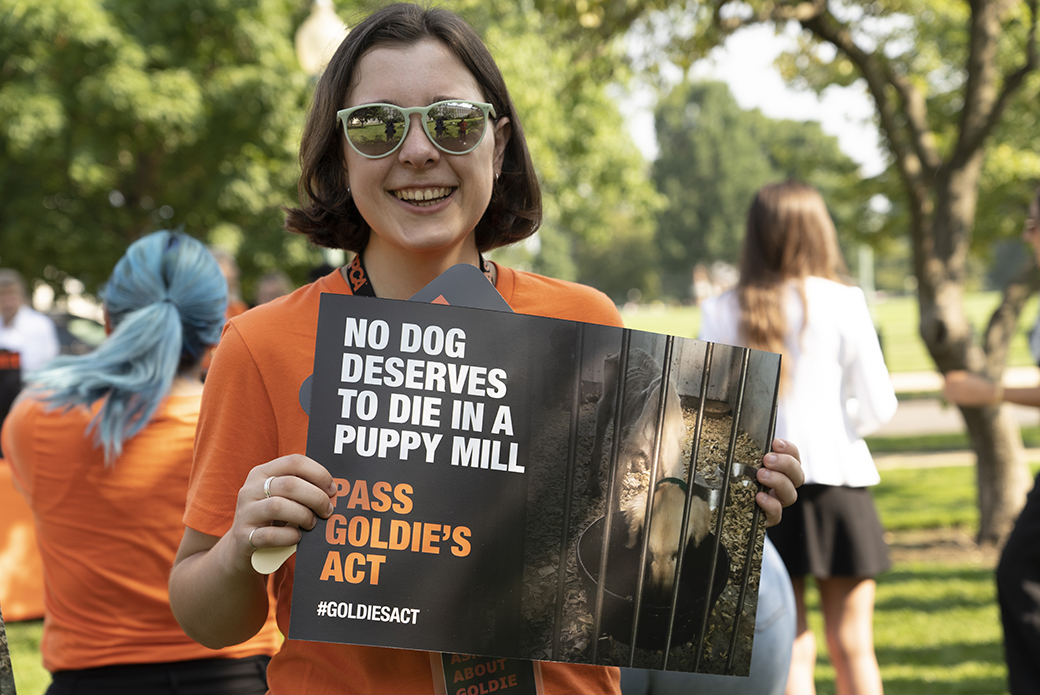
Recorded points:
619,589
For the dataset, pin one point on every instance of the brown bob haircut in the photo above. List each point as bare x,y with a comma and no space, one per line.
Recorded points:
327,213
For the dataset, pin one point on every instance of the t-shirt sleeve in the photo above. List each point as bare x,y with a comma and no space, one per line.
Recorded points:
535,295
575,302
596,307
237,431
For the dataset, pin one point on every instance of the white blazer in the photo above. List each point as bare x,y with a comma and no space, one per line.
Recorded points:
840,389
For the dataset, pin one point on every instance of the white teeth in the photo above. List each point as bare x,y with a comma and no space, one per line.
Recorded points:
420,196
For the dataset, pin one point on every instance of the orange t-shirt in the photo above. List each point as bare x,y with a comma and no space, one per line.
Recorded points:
251,414
108,536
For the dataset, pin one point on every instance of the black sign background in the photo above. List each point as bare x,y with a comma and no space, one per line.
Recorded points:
467,604
479,559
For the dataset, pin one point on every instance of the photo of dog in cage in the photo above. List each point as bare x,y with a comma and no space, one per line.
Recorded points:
660,560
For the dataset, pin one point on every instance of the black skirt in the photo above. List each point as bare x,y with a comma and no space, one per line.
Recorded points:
831,532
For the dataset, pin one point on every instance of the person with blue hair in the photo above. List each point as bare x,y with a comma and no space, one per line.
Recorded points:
100,445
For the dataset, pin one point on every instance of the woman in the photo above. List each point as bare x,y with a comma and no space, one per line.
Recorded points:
411,207
100,445
1018,573
834,389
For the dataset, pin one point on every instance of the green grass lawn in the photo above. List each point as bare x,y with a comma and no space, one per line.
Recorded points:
950,498
936,626
937,629
895,317
24,641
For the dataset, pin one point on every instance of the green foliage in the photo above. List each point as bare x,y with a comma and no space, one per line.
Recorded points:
120,118
710,166
117,119
715,156
927,43
598,204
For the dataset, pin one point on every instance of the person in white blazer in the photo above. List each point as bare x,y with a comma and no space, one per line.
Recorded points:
792,298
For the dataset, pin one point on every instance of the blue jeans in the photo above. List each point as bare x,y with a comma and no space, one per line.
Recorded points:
770,656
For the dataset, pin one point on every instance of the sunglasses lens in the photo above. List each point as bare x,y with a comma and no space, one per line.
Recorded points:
455,126
375,130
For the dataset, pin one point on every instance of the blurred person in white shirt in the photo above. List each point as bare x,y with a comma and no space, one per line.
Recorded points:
25,331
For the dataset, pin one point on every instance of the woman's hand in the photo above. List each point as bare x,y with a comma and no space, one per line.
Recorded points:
277,500
216,595
781,472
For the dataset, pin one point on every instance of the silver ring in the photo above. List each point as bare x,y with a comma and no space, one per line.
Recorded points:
267,486
251,537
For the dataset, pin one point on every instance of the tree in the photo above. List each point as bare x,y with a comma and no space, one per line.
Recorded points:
943,77
599,205
710,166
117,119
715,156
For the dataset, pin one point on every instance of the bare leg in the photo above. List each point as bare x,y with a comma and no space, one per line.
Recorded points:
800,679
848,611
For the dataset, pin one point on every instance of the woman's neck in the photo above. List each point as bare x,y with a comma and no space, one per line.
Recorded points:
399,276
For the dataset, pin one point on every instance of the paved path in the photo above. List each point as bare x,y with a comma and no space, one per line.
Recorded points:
937,459
935,416
932,416
918,382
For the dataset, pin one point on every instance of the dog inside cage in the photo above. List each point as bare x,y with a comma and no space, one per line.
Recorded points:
631,587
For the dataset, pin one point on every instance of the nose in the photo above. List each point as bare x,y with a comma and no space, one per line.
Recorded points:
417,150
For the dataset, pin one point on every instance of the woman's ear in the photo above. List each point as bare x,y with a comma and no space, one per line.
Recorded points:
503,131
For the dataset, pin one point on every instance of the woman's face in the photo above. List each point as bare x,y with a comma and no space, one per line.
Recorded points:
454,190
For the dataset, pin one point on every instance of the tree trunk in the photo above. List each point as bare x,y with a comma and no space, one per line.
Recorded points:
1001,471
942,234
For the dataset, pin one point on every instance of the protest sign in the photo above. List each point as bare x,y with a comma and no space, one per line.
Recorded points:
472,517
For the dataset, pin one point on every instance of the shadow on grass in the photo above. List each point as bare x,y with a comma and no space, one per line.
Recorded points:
931,573
911,686
929,659
943,655
965,686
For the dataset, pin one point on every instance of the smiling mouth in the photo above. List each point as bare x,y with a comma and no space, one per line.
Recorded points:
424,197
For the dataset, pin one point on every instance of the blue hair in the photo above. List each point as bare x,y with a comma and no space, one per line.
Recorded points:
166,302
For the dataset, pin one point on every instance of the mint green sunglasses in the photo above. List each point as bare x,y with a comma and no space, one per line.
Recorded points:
454,127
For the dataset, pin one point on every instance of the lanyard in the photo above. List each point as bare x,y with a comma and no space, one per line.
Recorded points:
361,286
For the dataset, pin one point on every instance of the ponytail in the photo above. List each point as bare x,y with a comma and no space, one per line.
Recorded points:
166,300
